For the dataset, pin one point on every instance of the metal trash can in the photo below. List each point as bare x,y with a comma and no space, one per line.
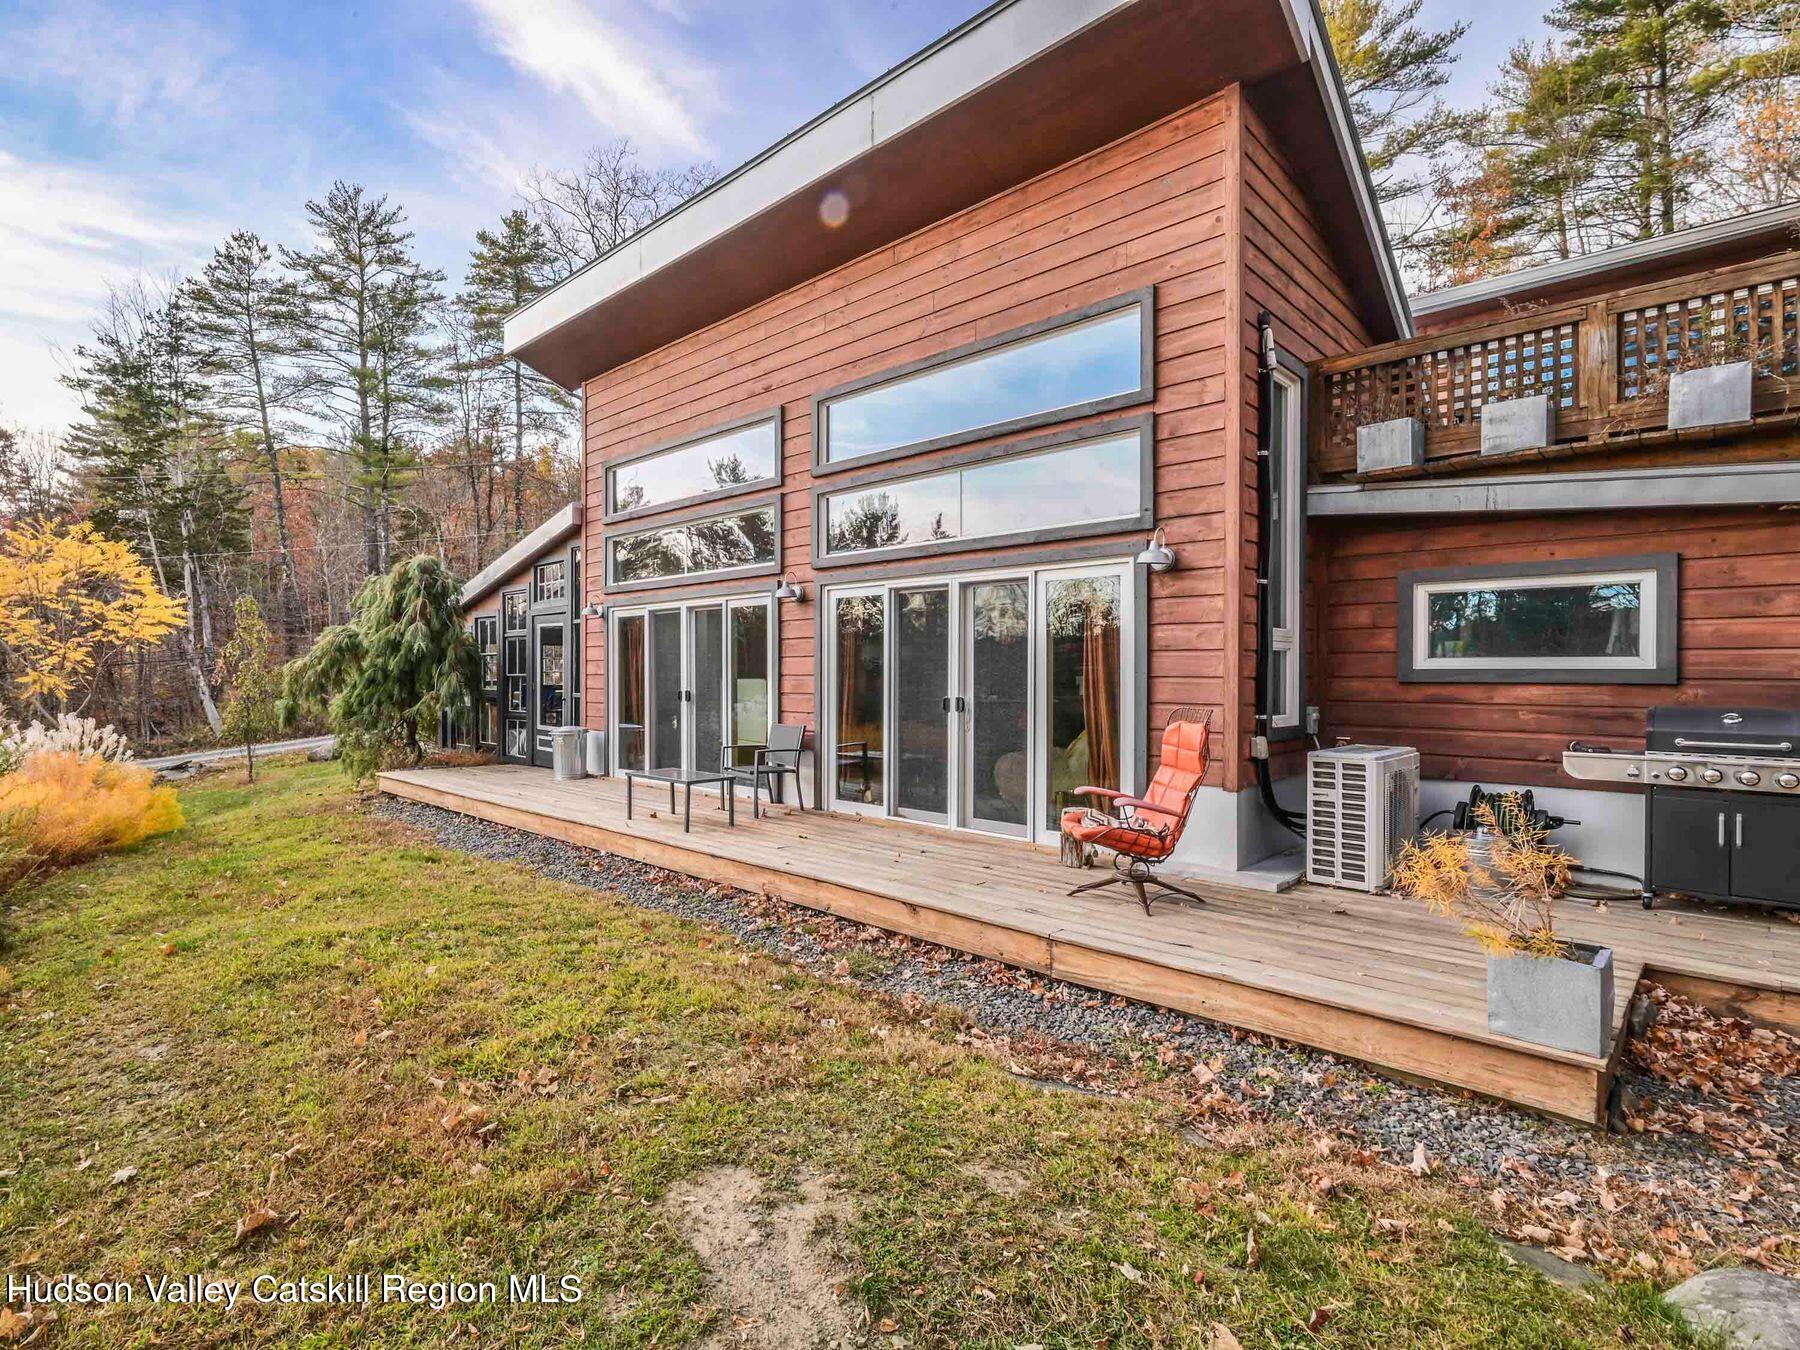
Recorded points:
596,754
565,753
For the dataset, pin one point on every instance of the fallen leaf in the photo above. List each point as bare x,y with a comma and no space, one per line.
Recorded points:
123,1175
1316,1323
1131,1272
1219,1337
1421,1160
253,1223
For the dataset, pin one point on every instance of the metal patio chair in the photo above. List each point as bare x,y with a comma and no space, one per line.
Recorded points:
770,762
1142,831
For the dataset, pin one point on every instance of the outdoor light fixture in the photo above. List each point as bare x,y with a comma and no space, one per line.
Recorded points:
789,589
594,612
1157,555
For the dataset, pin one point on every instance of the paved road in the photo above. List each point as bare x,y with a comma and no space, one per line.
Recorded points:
234,752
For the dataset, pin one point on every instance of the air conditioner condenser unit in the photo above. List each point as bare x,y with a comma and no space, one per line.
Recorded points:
1362,804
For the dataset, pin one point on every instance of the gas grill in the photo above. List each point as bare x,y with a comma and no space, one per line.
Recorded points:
1722,801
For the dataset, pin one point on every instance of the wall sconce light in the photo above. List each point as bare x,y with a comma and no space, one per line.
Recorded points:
594,612
1157,555
789,589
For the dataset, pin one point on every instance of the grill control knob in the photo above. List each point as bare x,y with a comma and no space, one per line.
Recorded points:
1749,777
1677,774
1788,780
1710,775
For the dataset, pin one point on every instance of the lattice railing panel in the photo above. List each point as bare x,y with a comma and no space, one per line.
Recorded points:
1446,388
1759,323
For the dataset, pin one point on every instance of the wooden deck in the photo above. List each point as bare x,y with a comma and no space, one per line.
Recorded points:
1369,977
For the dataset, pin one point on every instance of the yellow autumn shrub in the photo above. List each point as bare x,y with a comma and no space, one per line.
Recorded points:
60,807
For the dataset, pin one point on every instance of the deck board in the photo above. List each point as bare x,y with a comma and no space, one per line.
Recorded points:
1372,977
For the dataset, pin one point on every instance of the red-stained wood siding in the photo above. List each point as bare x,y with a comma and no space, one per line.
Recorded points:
1288,270
1739,633
1152,209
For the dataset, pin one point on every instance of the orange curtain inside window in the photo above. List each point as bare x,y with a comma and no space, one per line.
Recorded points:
1100,695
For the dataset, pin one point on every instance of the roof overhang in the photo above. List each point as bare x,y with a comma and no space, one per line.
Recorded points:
1020,88
1737,238
552,532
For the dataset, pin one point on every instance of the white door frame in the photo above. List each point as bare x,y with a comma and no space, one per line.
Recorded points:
1131,715
615,614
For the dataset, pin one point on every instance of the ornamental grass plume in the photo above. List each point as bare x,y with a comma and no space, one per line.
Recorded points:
81,736
1502,885
59,807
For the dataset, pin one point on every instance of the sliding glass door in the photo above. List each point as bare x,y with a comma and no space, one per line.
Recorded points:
687,680
996,758
980,701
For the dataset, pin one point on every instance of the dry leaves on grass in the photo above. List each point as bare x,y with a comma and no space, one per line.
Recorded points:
25,1328
256,1221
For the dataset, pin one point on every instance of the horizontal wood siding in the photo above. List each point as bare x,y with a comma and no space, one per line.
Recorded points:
1739,633
1148,210
1290,271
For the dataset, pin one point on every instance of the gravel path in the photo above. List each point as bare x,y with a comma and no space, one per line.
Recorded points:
1739,1201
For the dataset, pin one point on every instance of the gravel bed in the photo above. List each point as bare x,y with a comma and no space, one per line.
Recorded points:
1479,1140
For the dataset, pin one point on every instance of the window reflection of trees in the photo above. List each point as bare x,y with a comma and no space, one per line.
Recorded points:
1603,619
699,546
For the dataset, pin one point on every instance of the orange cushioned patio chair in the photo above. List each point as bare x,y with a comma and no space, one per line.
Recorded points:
1143,831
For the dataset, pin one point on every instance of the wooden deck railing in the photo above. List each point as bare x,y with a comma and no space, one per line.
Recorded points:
1605,362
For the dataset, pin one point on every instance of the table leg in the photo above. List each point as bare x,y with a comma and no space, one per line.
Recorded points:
671,799
687,807
628,781
731,802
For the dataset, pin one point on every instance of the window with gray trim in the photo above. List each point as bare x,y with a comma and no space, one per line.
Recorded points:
727,460
1606,620
694,548
1032,493
1080,365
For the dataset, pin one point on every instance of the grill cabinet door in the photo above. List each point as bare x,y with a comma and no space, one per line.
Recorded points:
1765,855
1690,841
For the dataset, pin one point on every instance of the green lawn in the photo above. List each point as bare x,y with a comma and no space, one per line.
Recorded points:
437,1066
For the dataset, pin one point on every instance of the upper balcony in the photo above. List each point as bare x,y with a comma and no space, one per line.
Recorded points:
1605,362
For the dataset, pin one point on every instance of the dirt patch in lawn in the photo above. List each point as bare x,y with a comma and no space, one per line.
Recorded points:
778,1282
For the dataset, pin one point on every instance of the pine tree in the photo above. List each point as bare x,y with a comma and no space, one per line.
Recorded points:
360,331
509,267
245,314
1394,71
402,659
1662,79
153,458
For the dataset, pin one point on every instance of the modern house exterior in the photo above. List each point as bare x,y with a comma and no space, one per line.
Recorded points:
1062,377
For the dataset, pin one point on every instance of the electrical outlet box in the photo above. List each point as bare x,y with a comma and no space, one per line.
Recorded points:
1259,747
1312,721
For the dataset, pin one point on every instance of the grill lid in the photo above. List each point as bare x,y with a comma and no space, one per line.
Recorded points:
1746,731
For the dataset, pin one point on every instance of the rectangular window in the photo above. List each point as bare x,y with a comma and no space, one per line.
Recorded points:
551,582
1082,364
750,672
1599,621
1063,490
487,643
516,611
717,462
730,543
1287,534
489,723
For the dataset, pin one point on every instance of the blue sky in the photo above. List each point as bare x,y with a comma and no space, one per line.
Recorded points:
134,137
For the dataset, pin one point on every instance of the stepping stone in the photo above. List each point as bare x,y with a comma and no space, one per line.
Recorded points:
1751,1308
1548,1264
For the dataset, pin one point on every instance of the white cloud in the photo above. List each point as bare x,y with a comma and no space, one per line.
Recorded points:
133,68
66,235
627,87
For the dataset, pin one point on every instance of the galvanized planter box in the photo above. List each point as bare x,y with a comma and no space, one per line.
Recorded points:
1710,396
1517,424
1566,1004
1395,444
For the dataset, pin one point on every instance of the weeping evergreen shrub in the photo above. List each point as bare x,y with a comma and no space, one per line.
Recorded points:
381,680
